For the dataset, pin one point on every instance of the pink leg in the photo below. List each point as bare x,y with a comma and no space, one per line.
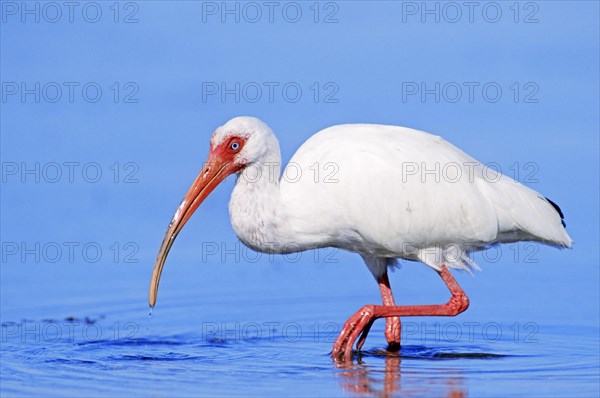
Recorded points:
393,327
362,321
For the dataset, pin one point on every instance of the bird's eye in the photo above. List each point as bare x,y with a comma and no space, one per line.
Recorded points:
234,146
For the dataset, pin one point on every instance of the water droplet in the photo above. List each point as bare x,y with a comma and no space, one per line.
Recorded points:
148,321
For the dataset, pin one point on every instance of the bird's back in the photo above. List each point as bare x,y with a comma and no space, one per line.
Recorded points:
391,191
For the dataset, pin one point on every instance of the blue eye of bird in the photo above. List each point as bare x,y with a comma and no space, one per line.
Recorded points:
234,145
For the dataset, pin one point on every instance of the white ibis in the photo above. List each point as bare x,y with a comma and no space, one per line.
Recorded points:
384,192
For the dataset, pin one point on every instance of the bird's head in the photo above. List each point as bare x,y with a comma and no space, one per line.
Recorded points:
240,142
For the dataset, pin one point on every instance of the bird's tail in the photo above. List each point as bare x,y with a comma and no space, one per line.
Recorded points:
522,215
529,216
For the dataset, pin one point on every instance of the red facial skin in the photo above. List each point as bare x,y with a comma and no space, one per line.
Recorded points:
225,152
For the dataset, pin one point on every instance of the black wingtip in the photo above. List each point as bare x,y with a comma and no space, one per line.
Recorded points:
559,211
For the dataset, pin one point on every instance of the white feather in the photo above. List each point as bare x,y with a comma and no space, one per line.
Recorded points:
385,192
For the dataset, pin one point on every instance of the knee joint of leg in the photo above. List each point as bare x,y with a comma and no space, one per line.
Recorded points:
459,303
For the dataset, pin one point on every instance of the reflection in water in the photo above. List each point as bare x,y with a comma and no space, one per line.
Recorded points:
363,379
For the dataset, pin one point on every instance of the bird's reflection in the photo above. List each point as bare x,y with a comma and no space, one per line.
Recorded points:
361,378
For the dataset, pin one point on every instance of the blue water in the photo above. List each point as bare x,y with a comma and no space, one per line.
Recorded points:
108,175
267,329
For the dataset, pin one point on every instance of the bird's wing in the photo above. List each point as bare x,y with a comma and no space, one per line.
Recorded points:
396,192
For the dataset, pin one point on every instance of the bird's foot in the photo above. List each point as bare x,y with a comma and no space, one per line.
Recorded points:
357,325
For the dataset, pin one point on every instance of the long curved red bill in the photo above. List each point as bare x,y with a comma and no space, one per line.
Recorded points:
213,172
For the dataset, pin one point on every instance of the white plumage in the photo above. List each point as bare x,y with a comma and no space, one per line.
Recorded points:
385,192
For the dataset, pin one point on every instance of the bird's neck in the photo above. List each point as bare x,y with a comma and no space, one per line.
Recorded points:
256,212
